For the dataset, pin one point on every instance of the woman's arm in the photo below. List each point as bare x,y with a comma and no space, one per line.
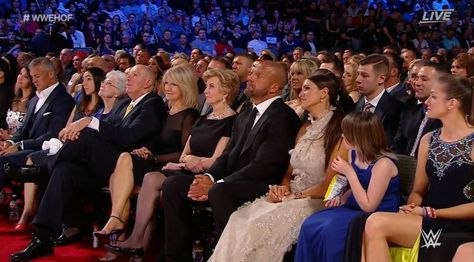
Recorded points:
421,179
318,191
464,211
187,123
383,170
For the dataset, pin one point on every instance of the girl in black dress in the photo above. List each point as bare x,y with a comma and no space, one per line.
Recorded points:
209,137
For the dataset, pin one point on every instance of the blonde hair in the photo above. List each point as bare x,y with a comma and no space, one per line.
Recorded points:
353,67
229,82
304,66
185,77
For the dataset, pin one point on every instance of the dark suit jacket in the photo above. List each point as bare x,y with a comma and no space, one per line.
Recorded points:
400,93
49,120
388,110
262,156
305,45
133,131
410,121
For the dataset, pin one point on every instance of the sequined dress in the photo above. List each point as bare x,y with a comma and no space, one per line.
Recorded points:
449,168
265,231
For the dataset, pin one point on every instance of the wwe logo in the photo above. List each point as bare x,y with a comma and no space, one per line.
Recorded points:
431,239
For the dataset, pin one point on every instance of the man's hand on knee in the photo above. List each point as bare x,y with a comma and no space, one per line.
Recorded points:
200,187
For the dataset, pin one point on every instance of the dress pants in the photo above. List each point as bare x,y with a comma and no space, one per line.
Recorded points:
18,158
224,198
85,163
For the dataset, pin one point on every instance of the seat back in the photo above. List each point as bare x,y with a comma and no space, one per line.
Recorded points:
406,170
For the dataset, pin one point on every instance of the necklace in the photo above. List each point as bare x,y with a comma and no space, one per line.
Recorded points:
214,116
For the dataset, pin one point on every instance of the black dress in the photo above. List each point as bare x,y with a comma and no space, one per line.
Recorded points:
449,168
166,147
205,135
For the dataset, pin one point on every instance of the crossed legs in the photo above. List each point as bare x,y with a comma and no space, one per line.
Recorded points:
382,228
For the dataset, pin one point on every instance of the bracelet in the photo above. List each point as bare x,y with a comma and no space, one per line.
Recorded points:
429,212
298,195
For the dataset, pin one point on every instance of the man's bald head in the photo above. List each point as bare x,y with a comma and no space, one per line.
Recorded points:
140,80
276,73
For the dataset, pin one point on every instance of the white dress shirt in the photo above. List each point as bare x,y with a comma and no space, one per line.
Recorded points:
43,95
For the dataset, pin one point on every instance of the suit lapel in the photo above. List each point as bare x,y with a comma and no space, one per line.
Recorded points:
382,105
31,110
42,110
255,130
129,117
360,105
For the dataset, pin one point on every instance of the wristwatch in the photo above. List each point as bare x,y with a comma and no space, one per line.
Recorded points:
19,145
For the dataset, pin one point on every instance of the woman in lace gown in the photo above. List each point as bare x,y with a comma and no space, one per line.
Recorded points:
266,228
438,206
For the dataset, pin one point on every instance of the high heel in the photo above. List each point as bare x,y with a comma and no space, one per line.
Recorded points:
133,252
113,235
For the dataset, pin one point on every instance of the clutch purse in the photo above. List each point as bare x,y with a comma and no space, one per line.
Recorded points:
337,187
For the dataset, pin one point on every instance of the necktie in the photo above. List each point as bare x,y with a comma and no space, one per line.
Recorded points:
418,136
129,109
251,120
368,107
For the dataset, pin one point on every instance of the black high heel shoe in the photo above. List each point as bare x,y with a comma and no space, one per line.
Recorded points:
112,235
133,252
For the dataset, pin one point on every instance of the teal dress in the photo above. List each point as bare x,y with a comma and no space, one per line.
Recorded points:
322,236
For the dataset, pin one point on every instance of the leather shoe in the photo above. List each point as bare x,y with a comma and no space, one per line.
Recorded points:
133,252
63,240
26,173
36,248
20,228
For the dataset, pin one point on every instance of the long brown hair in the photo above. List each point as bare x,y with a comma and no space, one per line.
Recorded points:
332,132
365,132
98,75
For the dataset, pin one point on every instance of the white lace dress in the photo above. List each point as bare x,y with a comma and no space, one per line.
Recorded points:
15,120
265,231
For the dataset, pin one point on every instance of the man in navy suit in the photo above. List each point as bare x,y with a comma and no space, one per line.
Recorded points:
370,82
89,154
46,115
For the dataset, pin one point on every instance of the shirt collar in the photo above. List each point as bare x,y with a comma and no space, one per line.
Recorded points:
390,88
262,107
44,94
135,103
376,99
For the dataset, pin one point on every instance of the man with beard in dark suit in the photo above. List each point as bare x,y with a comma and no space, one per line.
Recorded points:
90,153
413,121
372,72
256,156
46,115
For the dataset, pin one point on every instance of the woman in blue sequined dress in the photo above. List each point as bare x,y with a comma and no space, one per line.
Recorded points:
438,209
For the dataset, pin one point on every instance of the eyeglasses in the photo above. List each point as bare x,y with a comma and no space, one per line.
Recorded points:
105,82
